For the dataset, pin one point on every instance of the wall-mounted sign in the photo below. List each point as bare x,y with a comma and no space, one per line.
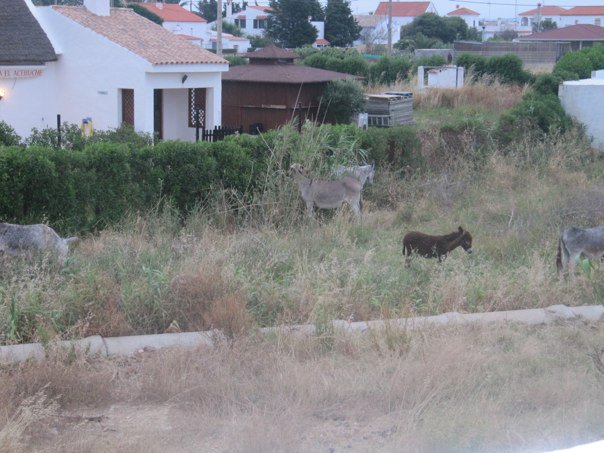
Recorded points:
20,72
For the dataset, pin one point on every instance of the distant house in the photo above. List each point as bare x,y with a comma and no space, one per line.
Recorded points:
534,16
194,28
108,64
369,33
593,15
272,90
579,36
252,20
403,13
469,16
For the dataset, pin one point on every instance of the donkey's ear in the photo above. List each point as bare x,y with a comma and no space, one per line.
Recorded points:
460,229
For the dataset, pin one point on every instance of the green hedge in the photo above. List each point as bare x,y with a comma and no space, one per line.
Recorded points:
507,68
78,190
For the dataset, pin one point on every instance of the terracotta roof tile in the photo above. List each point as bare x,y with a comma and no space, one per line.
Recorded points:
322,42
544,11
261,8
403,9
173,13
580,32
141,36
585,11
368,20
463,12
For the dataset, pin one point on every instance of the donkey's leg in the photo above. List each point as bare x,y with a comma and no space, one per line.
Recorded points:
310,209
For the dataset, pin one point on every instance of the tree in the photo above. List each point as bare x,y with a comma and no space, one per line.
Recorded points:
342,100
445,29
288,22
341,28
544,25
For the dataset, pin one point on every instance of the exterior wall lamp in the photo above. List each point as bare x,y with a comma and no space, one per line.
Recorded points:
2,93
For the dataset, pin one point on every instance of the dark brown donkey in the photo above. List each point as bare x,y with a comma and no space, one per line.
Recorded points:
439,247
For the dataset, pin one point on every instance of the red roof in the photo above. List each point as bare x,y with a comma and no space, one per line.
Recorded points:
261,8
544,11
282,73
403,9
585,11
580,32
463,12
322,42
173,13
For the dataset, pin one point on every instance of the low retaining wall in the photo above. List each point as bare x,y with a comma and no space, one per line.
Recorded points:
98,345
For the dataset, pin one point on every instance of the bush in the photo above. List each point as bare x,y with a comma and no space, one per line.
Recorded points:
397,147
546,84
235,60
476,63
576,65
388,70
342,99
544,112
506,68
8,136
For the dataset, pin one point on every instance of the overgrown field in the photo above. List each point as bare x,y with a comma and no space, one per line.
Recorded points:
238,264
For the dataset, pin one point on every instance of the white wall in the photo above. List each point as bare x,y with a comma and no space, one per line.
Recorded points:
583,100
88,78
199,29
565,21
29,101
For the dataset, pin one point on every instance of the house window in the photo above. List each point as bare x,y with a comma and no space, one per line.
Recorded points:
128,107
259,23
598,22
240,23
197,102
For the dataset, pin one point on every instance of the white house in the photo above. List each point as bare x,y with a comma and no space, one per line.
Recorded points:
469,16
403,13
593,15
194,28
111,65
251,20
536,15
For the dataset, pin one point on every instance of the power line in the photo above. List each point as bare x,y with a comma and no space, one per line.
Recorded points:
510,4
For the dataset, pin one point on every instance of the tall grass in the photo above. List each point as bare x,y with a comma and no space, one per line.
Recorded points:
265,263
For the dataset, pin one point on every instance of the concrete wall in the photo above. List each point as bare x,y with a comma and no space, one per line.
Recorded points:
583,100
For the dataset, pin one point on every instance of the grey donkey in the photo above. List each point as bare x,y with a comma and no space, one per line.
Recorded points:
575,242
30,240
327,194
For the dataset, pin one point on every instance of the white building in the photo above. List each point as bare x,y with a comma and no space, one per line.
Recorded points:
194,28
593,15
111,65
251,21
403,13
470,17
583,100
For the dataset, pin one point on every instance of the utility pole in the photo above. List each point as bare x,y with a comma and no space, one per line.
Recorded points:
389,48
538,17
219,28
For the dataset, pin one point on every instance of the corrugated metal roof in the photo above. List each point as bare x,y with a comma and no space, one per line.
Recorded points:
23,41
140,36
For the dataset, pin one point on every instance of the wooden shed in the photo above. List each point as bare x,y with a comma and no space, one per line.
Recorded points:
271,90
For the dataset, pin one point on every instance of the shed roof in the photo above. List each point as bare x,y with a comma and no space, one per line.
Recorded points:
579,32
368,20
24,42
287,74
403,9
139,35
173,13
272,52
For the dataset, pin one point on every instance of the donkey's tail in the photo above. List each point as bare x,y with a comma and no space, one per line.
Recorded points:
559,256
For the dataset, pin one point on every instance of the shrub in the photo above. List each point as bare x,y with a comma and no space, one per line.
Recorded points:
433,60
342,99
394,146
477,63
575,64
8,136
235,60
388,70
546,84
508,69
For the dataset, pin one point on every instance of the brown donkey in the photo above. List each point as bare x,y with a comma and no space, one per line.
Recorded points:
439,247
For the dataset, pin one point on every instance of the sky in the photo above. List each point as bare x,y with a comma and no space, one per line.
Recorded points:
490,10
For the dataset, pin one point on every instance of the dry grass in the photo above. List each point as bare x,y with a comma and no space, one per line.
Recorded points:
496,388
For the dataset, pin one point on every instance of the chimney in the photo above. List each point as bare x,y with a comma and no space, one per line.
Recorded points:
159,4
97,7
